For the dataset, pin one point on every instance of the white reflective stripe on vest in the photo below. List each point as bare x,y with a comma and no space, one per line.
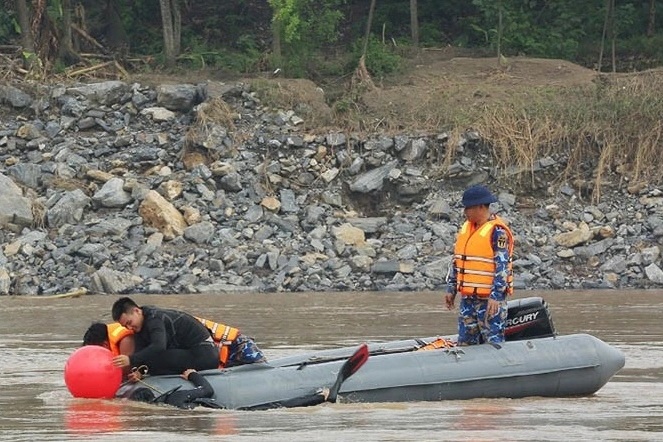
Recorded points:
225,333
475,258
478,272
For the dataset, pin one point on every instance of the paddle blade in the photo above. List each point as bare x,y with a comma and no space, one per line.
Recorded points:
349,367
358,358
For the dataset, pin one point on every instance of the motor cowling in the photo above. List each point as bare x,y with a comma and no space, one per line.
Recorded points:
528,318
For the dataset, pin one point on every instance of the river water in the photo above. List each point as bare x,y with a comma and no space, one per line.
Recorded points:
37,335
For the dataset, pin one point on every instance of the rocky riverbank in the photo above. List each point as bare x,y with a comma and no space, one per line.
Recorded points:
124,188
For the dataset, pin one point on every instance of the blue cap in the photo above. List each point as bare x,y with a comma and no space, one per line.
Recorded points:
477,196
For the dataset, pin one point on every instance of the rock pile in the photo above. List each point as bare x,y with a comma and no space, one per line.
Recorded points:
123,188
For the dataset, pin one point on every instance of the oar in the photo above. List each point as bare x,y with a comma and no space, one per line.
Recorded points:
349,368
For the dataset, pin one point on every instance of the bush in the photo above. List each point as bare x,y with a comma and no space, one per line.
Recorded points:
8,27
380,58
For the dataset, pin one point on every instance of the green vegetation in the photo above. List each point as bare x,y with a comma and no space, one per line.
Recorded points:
298,35
614,122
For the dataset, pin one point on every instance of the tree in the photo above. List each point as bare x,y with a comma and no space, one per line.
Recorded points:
27,40
300,28
171,20
369,23
277,29
67,53
500,29
608,27
414,22
651,22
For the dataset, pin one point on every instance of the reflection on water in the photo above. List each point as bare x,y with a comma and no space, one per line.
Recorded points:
96,417
482,415
93,416
37,336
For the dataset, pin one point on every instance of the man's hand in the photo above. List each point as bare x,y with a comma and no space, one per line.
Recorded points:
187,372
492,308
450,298
121,361
134,376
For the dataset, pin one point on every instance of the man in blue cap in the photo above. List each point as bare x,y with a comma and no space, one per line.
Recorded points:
482,271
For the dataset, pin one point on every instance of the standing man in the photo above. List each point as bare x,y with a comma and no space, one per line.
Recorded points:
482,271
167,341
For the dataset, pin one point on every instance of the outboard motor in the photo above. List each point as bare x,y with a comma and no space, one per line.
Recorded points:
528,318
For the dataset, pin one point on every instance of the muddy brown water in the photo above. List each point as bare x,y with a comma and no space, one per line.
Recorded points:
37,335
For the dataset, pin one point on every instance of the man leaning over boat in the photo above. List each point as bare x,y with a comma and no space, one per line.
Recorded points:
481,270
228,344
235,348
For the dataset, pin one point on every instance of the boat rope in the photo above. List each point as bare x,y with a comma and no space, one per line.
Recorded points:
140,372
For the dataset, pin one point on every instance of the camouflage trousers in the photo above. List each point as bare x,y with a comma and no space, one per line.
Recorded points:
244,350
473,325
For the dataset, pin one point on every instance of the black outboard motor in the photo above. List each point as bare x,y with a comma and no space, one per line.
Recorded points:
528,318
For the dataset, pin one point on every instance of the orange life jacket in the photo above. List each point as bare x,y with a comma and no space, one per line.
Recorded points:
438,343
223,336
474,258
115,334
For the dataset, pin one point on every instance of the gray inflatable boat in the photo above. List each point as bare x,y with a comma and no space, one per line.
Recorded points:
534,361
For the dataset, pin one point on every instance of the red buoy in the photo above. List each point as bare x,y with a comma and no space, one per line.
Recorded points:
89,373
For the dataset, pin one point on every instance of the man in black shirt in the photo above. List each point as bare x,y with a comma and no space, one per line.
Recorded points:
167,341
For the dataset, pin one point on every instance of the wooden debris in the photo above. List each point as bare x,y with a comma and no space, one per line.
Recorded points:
89,69
71,294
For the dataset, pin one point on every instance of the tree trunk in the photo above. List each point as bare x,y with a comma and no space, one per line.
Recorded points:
651,23
67,53
613,34
177,26
116,38
168,36
414,22
369,24
67,39
277,51
27,41
500,13
606,21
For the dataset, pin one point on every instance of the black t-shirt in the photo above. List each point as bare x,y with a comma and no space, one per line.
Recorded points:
166,329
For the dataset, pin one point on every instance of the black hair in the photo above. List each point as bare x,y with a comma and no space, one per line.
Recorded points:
96,334
122,305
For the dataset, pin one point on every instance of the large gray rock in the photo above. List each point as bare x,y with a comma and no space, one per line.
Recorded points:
27,174
5,281
373,179
200,233
107,92
68,209
575,237
112,194
654,273
109,281
370,224
393,266
14,97
181,97
14,208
